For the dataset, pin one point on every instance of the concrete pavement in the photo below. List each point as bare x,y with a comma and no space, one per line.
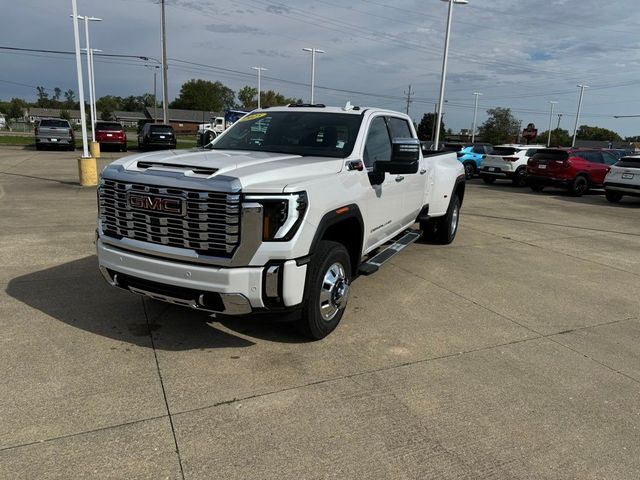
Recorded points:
512,353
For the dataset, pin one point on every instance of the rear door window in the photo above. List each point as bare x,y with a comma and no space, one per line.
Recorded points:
609,159
550,155
478,149
161,129
112,127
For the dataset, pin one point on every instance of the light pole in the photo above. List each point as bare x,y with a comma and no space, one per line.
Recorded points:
575,128
83,117
313,68
444,67
165,67
155,102
475,116
552,103
90,78
259,70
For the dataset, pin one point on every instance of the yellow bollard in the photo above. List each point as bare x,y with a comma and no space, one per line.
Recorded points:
88,172
94,147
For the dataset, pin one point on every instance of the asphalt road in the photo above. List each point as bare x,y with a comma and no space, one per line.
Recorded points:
511,354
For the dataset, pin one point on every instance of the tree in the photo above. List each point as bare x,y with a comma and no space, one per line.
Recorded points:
56,94
500,127
69,99
270,98
247,96
425,127
15,108
585,132
107,105
559,137
66,115
204,95
43,97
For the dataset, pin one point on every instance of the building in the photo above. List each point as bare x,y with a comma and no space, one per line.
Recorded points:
185,122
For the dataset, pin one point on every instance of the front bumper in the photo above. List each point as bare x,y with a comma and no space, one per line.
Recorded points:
228,291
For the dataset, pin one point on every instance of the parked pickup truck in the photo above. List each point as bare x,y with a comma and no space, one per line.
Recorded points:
54,132
280,215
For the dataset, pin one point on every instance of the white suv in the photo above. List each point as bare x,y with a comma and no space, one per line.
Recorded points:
623,179
508,162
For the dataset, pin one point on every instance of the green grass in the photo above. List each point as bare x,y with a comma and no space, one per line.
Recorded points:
132,144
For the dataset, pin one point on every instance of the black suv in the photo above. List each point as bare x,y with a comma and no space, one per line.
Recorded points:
156,135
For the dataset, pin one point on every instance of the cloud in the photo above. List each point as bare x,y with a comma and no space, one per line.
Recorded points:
278,9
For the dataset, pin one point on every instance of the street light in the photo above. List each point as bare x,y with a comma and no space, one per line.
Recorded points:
83,118
575,128
155,102
552,102
313,68
444,67
90,77
259,70
475,115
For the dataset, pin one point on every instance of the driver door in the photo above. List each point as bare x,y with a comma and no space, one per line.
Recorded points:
384,200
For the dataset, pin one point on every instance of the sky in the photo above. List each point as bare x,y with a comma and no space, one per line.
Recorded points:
518,54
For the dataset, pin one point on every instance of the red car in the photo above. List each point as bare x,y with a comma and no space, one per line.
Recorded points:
576,169
111,134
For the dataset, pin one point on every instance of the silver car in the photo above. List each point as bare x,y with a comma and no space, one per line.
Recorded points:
54,132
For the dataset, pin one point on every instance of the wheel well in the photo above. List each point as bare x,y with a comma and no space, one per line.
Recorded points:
348,232
585,175
459,191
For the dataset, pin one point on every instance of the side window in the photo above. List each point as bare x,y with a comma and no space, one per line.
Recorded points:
478,149
593,157
378,144
608,158
399,128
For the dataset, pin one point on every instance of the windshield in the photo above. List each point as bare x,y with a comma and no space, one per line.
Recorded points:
112,127
54,123
504,151
629,162
300,133
161,129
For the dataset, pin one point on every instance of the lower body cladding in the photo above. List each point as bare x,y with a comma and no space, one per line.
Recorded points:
623,188
223,290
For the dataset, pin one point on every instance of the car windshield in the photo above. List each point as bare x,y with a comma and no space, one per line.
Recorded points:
559,155
161,129
108,126
54,123
503,151
629,162
300,133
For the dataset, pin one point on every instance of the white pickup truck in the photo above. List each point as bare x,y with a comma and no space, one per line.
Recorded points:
280,215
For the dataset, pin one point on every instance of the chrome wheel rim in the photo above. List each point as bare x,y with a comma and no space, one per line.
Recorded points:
333,292
454,219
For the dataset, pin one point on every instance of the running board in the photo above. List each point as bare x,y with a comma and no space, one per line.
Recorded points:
372,265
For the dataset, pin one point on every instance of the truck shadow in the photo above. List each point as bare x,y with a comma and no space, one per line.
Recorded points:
75,293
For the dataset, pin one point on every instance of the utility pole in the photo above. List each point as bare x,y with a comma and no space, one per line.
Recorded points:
475,116
559,118
409,101
165,67
519,132
83,118
575,128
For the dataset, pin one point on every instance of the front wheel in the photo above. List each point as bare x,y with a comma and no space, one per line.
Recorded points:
443,229
326,290
488,180
613,197
469,170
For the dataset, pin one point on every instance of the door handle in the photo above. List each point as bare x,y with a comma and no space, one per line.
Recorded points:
399,178
423,171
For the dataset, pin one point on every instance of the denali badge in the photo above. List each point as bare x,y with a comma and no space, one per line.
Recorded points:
172,205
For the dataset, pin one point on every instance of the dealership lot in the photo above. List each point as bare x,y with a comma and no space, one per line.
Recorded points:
512,353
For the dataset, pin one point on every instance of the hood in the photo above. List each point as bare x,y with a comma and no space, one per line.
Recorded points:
255,171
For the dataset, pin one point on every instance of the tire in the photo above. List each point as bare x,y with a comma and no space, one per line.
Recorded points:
442,230
579,186
326,290
520,177
469,170
488,180
613,197
123,149
38,146
536,187
71,148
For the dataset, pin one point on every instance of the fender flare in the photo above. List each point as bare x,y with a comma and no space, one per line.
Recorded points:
336,216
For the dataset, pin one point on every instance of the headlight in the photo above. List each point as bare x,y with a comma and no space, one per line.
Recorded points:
282,215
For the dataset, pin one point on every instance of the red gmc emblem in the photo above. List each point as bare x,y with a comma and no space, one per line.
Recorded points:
174,206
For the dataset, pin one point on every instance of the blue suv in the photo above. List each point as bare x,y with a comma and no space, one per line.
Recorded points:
471,157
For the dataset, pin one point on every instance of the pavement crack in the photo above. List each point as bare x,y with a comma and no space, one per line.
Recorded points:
164,392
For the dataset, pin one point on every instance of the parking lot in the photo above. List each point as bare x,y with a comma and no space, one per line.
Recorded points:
512,353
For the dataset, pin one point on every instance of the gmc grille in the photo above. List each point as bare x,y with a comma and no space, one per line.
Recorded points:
211,225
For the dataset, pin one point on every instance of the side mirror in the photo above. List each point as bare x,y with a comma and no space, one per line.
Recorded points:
405,157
